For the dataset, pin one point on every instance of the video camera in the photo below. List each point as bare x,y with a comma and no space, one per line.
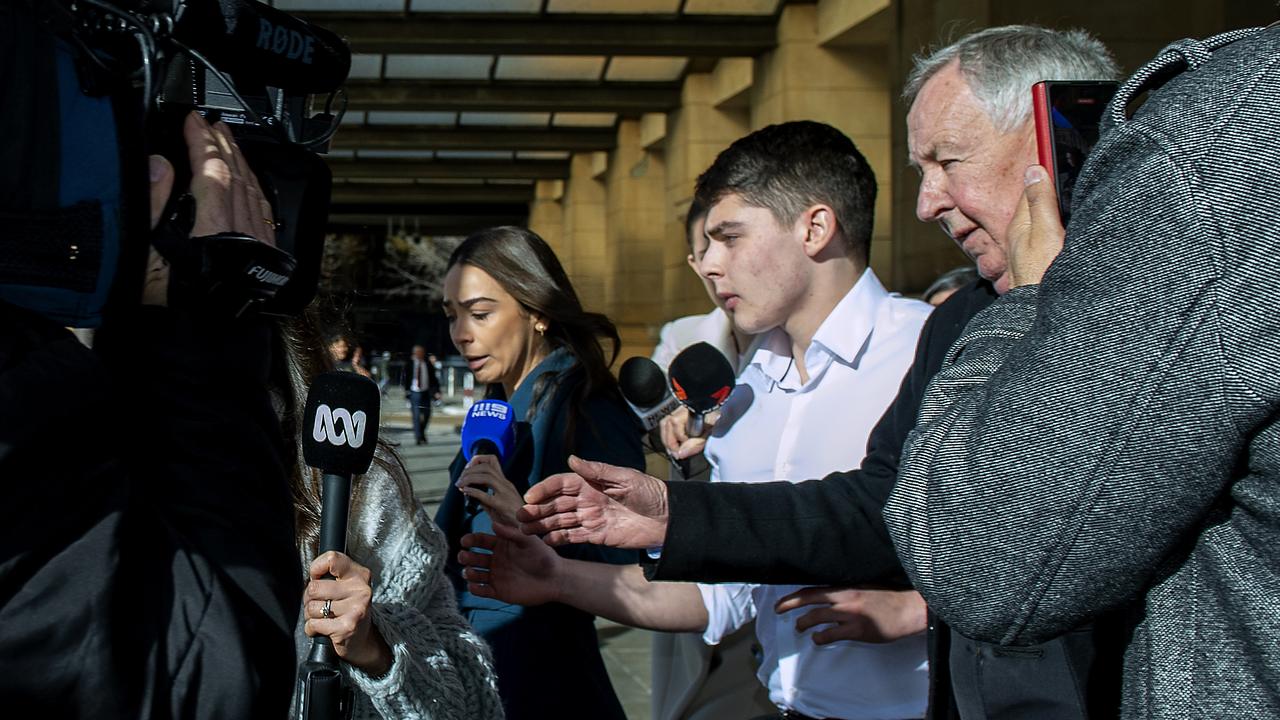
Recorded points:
90,88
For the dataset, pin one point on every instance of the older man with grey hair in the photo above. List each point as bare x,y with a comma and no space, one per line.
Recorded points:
970,132
1107,434
971,136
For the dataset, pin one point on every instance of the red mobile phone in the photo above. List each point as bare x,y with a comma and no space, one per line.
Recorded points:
1067,116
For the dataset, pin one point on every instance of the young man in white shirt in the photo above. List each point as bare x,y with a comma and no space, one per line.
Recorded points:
789,225
692,680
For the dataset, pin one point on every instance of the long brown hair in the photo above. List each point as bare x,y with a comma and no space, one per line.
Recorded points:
527,268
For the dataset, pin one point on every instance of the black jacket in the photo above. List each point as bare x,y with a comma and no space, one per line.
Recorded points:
148,566
433,379
831,532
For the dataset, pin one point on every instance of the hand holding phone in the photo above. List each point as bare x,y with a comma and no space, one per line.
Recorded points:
1035,234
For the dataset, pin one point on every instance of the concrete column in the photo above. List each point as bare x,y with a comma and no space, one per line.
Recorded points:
845,86
710,117
635,213
583,245
922,252
546,214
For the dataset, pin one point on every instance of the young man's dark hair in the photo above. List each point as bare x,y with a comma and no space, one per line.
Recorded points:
786,168
697,211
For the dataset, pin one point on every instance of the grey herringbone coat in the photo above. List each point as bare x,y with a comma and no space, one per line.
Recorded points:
1115,441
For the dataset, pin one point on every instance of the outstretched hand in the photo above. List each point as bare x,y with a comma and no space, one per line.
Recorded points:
598,504
517,568
1035,234
871,616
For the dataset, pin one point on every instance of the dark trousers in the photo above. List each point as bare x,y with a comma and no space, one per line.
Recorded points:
420,408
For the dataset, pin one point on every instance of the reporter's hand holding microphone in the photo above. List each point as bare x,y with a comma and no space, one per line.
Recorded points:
675,433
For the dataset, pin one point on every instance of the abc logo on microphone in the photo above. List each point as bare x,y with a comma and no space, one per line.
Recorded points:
339,426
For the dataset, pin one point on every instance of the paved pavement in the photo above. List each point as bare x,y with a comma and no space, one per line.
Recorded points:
626,650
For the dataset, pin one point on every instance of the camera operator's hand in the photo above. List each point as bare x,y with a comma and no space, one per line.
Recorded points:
228,197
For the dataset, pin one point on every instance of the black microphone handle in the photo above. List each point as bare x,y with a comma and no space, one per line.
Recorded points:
655,441
322,692
656,444
690,467
684,467
697,424
335,501
483,446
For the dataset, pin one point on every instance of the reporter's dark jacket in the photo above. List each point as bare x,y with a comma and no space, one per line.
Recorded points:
147,560
433,378
831,532
547,657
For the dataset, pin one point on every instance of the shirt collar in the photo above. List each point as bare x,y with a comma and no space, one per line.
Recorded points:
843,333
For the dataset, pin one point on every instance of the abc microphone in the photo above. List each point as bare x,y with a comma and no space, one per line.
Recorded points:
340,432
701,379
489,428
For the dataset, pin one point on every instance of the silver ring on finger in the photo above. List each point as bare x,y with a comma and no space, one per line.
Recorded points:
326,611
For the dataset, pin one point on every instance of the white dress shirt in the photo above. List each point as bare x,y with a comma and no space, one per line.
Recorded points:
774,428
691,679
419,383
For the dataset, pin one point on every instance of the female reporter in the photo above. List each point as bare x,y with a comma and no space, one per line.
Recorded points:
514,316
391,612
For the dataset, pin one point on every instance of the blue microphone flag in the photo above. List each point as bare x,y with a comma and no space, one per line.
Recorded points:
489,423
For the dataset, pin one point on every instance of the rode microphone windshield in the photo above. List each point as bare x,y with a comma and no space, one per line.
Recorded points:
254,40
644,386
489,429
340,428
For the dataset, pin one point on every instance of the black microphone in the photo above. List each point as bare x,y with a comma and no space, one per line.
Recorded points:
644,386
254,40
701,379
340,433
